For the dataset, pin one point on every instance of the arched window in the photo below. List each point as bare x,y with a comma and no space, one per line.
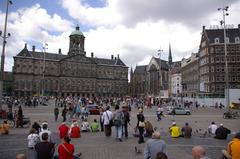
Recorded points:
216,40
237,39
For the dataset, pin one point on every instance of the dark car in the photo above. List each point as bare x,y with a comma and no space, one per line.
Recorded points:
93,109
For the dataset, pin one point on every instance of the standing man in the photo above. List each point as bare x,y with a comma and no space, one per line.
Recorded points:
64,113
140,125
56,112
107,117
154,146
126,122
20,117
118,121
44,149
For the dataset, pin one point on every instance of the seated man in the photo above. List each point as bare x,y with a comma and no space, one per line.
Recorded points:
187,131
4,128
198,152
174,130
154,146
222,132
212,128
44,149
95,126
234,147
85,126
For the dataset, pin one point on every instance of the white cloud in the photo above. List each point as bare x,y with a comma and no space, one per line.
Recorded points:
34,24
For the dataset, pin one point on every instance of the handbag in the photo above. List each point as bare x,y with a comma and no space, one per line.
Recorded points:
141,124
75,157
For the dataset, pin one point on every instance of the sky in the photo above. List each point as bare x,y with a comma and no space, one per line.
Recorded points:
134,29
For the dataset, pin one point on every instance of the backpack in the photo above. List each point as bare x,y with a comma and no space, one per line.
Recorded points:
118,119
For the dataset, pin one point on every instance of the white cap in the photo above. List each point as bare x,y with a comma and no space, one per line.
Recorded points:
174,123
221,124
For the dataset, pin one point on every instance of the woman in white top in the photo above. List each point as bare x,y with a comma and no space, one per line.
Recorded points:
33,138
85,126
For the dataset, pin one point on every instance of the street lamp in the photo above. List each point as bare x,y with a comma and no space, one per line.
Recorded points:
223,22
5,36
44,64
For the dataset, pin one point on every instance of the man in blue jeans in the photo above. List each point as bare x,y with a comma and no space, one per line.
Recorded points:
118,121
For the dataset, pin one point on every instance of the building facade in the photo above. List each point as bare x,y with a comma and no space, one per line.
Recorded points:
190,76
152,79
72,74
175,84
212,61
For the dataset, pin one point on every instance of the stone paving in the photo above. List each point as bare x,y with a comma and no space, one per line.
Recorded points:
97,146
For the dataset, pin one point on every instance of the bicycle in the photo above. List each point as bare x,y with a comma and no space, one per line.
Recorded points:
6,116
231,115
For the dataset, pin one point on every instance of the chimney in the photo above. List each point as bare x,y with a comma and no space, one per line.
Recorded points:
112,57
118,56
115,58
33,48
59,51
203,27
91,54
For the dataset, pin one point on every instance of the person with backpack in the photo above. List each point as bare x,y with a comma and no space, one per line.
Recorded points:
118,121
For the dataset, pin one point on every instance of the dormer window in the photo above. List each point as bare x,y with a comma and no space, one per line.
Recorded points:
227,39
216,40
237,40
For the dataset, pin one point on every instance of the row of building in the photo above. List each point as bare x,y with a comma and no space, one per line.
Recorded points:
200,75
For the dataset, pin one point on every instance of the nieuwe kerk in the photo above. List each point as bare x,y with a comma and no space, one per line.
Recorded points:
72,74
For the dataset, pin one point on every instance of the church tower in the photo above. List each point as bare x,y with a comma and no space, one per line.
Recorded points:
76,45
170,56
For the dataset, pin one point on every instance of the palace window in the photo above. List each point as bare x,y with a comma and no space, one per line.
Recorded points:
227,39
237,40
216,40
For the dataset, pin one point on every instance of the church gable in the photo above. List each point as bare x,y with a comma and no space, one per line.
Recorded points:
79,59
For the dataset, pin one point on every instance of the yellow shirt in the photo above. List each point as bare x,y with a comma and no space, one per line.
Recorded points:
234,148
175,131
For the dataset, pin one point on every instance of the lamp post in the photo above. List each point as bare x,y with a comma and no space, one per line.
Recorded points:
223,22
44,64
5,36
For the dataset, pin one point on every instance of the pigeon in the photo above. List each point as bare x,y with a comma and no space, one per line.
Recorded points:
137,151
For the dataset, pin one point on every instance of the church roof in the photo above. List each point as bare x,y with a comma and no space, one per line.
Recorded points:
140,69
162,63
103,61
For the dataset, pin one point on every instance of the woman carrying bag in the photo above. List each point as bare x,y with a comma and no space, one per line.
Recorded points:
66,150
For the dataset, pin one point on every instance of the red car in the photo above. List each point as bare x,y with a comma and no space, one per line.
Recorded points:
93,109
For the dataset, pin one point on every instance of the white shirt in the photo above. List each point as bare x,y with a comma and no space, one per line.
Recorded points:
85,126
45,131
107,115
212,128
32,140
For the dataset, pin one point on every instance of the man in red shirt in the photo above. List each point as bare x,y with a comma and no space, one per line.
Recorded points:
63,130
75,131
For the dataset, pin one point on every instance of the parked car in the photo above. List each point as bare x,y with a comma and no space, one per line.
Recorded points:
93,109
179,111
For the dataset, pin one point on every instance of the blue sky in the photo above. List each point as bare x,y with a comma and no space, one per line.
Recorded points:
134,29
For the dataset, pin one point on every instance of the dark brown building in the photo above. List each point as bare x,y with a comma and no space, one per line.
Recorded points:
212,60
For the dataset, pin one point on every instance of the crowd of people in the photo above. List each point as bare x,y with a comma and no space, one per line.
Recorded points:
112,115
